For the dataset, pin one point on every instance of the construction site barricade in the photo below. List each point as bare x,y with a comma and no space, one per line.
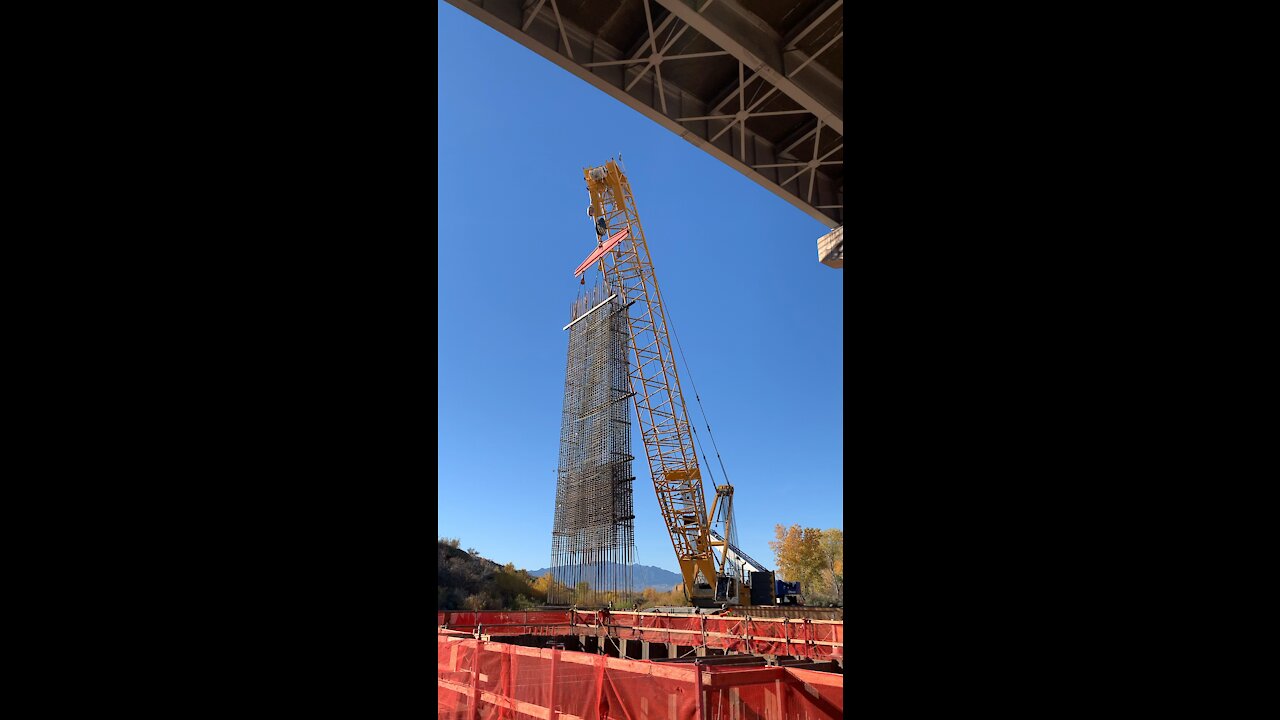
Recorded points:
827,640
818,640
517,622
478,680
678,629
771,692
769,636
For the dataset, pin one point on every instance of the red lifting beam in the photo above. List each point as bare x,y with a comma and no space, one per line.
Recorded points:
600,251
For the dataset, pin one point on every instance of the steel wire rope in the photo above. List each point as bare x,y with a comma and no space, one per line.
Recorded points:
698,399
731,529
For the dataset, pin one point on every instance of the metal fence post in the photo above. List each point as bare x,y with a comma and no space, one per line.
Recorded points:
555,661
600,686
697,696
507,686
475,683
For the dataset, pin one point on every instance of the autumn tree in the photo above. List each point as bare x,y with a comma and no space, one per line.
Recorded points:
481,601
544,583
797,554
831,547
511,583
550,590
652,597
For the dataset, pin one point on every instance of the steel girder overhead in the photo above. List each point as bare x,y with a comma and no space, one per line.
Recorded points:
758,84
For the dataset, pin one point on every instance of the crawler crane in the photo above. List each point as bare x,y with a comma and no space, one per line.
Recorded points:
622,257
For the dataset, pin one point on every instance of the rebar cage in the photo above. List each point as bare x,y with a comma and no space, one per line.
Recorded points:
593,539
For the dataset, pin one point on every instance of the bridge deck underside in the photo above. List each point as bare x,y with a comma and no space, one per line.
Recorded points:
758,84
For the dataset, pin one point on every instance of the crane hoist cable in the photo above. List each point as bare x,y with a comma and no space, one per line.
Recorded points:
698,399
730,522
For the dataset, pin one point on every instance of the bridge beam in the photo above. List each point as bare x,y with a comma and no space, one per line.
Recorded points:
808,174
760,48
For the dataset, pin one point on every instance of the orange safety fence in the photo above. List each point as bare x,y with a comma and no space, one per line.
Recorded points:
518,622
479,680
815,639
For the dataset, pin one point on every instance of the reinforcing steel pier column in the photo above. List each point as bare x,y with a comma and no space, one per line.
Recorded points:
592,538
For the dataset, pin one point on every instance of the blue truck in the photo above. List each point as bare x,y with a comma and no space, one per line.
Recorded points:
788,593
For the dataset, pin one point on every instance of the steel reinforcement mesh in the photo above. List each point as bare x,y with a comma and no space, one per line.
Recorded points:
592,538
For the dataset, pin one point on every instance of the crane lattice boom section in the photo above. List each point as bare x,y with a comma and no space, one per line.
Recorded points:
659,402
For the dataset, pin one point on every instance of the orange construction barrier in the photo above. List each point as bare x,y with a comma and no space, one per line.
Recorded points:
479,680
815,639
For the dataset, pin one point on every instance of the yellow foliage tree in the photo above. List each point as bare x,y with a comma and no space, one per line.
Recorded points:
798,554
831,546
546,588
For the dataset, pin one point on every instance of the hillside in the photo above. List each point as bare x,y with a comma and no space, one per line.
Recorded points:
642,576
466,581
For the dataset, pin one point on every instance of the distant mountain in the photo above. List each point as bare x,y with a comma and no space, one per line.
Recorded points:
642,576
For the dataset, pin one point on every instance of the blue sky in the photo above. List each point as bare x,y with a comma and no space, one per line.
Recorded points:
760,319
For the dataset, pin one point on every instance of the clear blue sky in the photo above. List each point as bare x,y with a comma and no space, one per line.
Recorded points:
760,319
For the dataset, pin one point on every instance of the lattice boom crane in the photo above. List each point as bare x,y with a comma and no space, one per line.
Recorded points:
622,257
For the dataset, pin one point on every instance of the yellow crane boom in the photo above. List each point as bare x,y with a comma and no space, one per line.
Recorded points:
622,257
